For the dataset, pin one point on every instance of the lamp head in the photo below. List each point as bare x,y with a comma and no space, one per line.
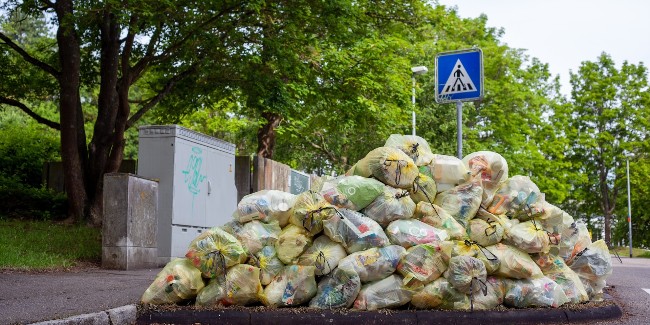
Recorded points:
419,70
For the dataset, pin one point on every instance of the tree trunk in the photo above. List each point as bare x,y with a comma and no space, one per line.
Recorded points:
101,143
608,225
71,118
266,135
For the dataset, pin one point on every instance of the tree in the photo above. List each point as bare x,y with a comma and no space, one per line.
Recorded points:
112,45
607,120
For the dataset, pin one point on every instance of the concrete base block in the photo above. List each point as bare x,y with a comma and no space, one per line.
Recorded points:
129,258
130,223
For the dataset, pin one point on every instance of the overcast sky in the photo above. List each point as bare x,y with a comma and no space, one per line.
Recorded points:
564,33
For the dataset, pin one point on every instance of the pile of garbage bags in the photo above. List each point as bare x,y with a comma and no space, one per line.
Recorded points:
402,226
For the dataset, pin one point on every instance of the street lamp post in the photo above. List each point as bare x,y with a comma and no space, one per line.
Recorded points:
415,71
629,207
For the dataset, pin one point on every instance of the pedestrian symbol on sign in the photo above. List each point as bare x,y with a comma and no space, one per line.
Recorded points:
458,81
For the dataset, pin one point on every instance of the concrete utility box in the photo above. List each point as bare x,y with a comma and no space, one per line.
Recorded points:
129,227
196,175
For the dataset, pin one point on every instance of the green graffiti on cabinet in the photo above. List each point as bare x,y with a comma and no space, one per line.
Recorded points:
193,176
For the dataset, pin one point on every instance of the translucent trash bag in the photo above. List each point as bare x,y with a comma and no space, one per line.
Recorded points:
241,286
386,293
492,168
411,232
214,250
392,204
178,281
324,254
294,286
413,146
355,231
291,243
266,206
438,217
515,263
375,263
463,201
351,192
338,289
254,235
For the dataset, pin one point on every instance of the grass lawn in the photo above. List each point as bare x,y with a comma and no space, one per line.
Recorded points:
624,251
38,245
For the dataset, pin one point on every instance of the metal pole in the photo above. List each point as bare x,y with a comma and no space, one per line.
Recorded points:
629,207
459,127
413,102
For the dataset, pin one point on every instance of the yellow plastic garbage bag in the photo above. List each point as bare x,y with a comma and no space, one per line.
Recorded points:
254,235
515,263
554,268
390,166
518,197
338,289
411,232
351,192
552,218
268,262
583,240
375,263
317,183
489,294
386,293
424,189
534,292
462,272
440,294
485,233
309,211
294,286
266,206
569,234
492,168
324,254
241,287
438,217
422,264
355,231
447,171
502,219
412,145
392,204
178,281
593,265
529,237
291,243
463,201
215,250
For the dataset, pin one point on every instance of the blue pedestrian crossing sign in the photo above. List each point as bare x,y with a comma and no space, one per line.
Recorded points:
459,76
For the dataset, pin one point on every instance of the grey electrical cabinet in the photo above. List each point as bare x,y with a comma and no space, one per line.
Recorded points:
196,175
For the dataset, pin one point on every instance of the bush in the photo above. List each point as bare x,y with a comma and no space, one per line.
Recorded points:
20,201
24,148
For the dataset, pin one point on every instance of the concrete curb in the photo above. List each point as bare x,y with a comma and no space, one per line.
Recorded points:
117,316
287,316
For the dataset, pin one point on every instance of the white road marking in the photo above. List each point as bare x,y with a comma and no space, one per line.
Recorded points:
646,290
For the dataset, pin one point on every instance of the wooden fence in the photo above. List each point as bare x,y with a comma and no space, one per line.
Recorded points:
255,173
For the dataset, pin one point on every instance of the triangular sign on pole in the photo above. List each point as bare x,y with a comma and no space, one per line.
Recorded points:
458,81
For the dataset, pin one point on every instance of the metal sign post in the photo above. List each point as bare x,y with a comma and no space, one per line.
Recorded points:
459,78
459,127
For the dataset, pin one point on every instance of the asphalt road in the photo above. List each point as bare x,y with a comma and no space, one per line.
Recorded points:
33,297
628,280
